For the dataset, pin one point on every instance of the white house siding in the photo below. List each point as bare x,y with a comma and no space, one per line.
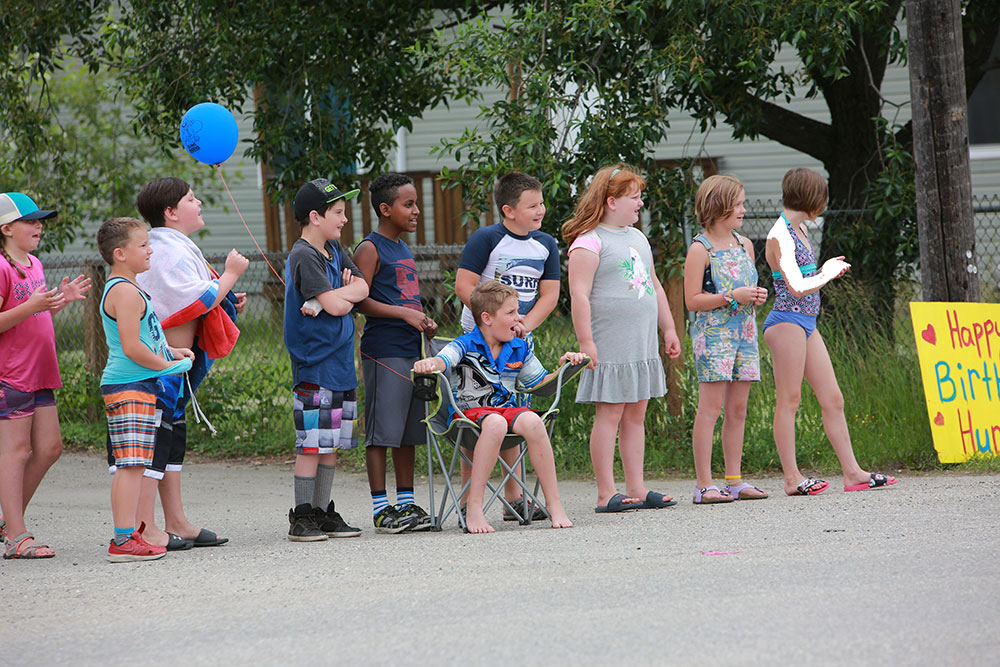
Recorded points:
223,229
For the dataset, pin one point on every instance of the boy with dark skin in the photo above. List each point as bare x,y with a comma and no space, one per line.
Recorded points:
391,344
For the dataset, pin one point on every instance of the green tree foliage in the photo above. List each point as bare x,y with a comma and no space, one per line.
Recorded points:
328,85
616,68
577,95
64,138
589,82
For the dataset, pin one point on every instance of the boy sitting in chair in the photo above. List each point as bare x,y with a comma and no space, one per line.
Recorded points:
508,365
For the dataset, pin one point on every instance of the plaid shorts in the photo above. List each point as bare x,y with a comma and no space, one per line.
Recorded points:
132,421
15,404
324,419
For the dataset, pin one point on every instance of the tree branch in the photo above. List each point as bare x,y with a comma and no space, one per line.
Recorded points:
788,128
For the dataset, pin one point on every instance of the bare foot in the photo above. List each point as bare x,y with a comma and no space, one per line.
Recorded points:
863,477
810,486
154,536
627,501
713,495
558,516
184,529
475,521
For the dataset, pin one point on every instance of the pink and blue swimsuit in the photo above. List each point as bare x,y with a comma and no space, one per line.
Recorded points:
788,308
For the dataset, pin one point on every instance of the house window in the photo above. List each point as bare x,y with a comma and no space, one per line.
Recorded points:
984,131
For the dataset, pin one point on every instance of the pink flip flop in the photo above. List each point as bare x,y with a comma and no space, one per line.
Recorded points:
876,481
811,486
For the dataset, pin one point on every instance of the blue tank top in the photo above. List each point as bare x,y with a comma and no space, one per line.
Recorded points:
120,369
395,283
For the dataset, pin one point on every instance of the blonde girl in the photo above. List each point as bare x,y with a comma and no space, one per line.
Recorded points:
720,287
29,425
617,302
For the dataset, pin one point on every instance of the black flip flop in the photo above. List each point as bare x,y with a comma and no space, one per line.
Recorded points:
207,538
178,543
655,500
616,504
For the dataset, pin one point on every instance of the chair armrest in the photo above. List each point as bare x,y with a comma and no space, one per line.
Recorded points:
554,385
425,386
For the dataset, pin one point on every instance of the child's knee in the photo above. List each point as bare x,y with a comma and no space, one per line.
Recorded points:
48,449
789,401
527,422
493,425
833,401
738,412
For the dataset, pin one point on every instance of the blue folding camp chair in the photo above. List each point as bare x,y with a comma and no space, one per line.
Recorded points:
447,427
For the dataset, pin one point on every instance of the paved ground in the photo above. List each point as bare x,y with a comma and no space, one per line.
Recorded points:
901,576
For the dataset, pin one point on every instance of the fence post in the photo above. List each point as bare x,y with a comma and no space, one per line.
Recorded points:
96,347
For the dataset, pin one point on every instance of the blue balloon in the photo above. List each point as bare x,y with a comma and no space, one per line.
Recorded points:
209,133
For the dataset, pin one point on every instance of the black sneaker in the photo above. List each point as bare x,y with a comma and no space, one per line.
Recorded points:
389,521
302,525
423,521
537,513
332,524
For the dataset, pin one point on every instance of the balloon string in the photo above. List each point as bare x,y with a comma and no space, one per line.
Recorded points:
218,168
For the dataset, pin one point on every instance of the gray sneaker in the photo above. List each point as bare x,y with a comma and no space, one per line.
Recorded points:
421,519
388,521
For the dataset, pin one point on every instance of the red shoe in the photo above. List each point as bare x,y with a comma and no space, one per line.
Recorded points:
134,548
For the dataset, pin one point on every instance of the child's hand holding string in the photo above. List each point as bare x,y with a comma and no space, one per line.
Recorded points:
430,327
181,353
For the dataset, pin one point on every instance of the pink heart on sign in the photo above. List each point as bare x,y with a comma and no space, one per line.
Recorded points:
939,420
929,335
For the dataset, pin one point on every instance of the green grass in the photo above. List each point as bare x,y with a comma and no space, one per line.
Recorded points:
247,396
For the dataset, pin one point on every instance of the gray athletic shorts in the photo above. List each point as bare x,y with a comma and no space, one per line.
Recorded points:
392,414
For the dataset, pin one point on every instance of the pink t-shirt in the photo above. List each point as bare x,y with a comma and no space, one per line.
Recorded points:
28,349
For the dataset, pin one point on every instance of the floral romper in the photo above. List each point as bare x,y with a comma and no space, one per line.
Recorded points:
725,341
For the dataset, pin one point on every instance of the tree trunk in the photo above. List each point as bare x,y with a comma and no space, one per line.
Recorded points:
854,102
941,151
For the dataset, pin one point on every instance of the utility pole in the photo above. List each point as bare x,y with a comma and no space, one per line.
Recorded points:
941,151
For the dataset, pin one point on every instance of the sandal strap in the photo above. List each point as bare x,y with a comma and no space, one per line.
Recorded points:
14,547
808,483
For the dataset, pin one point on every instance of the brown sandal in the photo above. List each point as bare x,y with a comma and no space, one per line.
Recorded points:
16,548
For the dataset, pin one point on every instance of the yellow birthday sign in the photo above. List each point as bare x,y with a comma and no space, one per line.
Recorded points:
958,345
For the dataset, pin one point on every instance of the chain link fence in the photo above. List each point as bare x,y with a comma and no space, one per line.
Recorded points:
247,396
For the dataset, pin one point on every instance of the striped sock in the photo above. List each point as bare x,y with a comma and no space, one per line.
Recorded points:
379,501
404,495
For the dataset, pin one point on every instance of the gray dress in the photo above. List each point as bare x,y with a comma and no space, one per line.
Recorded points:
623,317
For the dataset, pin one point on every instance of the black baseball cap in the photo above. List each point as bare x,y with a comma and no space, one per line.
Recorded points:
316,194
